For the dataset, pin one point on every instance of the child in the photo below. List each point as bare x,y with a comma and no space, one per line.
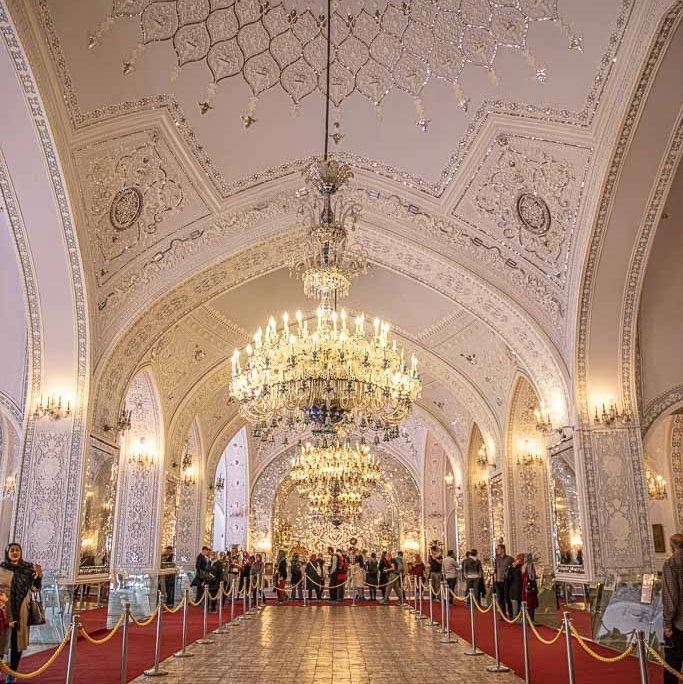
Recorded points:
358,578
5,625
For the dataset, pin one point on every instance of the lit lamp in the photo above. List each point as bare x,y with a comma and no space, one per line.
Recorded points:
53,407
483,457
610,414
220,483
10,487
656,485
141,456
530,454
542,417
411,545
449,479
122,422
481,486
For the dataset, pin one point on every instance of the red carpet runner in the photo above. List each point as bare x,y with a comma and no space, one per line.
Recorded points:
100,664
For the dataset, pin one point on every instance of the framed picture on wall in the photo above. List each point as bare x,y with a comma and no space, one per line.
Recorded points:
658,538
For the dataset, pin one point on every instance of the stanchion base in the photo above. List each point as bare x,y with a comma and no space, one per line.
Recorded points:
448,639
419,616
154,673
220,630
183,654
497,668
234,623
204,641
431,623
475,652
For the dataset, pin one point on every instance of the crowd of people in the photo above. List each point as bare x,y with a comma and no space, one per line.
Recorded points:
363,575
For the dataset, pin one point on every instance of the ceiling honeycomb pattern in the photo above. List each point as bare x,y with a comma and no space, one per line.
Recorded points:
375,49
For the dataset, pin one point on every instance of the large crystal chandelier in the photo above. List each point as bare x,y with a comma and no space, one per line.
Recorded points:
336,376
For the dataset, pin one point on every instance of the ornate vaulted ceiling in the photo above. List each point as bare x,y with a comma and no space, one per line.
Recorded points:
477,129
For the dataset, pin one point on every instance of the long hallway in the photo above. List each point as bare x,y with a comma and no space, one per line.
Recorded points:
326,644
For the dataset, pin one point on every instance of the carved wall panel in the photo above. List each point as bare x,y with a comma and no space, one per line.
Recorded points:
477,488
528,489
140,489
525,196
434,491
135,193
189,537
463,542
677,468
169,521
497,509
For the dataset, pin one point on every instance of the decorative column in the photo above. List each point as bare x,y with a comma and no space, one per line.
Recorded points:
189,530
478,519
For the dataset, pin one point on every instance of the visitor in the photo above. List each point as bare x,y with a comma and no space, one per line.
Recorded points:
384,566
342,574
417,570
358,578
435,571
332,575
217,570
5,624
514,584
257,577
501,564
295,578
281,577
202,575
314,579
473,574
372,575
394,583
672,608
450,572
168,561
22,578
529,585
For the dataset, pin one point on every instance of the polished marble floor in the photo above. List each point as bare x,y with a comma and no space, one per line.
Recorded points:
326,644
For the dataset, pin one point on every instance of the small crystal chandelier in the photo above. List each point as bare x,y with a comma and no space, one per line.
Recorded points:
656,485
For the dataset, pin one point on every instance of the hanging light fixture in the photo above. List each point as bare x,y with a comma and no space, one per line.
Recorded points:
338,378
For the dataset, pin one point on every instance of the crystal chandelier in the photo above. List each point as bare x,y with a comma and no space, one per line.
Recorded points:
337,378
656,485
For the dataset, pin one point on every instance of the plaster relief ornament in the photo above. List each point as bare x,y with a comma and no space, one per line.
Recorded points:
390,46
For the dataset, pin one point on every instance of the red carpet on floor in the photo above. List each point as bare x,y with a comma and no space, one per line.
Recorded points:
100,664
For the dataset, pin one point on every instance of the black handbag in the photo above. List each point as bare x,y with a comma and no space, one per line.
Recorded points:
36,612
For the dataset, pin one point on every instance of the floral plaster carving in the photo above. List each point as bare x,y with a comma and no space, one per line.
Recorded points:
477,492
433,487
525,196
477,44
528,488
189,528
659,406
138,524
132,187
677,468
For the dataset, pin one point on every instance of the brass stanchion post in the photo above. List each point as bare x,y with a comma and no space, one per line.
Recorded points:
642,657
420,615
234,622
430,622
205,629
525,644
155,671
442,628
71,664
221,595
474,651
245,611
183,653
497,667
124,643
446,620
568,641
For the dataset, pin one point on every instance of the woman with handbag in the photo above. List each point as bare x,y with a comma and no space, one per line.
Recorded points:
23,578
529,585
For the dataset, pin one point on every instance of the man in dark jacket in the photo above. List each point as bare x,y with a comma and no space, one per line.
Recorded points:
672,605
203,574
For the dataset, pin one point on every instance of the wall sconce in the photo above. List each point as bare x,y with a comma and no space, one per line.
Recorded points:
483,457
481,486
54,408
656,485
141,456
449,479
220,483
188,478
610,414
542,416
531,454
122,422
9,489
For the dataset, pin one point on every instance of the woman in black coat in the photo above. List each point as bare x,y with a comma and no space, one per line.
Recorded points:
514,582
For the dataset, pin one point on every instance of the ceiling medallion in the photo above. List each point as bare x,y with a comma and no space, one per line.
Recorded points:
533,212
126,208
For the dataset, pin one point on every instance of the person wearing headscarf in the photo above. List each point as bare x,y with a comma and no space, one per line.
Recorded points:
22,578
281,576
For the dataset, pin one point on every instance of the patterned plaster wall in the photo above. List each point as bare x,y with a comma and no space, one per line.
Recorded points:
478,519
527,486
140,488
189,524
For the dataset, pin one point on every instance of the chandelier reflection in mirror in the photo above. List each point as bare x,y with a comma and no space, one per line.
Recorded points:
656,485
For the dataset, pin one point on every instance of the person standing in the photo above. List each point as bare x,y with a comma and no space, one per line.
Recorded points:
22,578
372,575
472,571
394,583
672,605
256,577
514,582
501,564
358,578
168,561
435,571
529,585
332,575
5,624
313,578
281,576
295,578
384,566
450,572
202,575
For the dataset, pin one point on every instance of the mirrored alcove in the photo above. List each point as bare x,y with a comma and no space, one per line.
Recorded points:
98,508
567,531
